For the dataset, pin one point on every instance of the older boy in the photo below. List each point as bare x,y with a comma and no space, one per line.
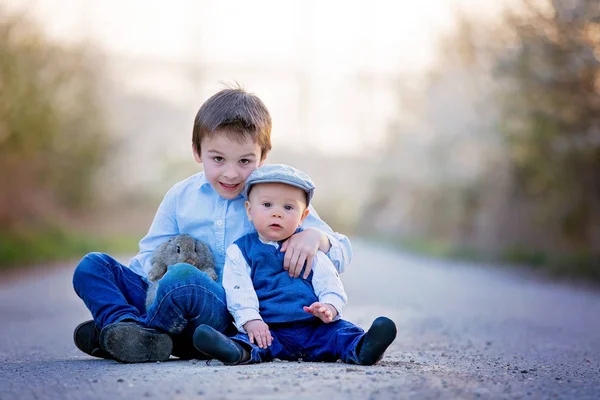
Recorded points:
279,316
231,138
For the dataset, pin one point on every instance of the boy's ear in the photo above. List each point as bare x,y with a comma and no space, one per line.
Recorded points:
196,155
248,209
263,159
304,215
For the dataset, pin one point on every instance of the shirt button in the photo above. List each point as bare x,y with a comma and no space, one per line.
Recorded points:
219,222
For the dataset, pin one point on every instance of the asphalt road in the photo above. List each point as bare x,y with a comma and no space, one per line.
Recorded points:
465,331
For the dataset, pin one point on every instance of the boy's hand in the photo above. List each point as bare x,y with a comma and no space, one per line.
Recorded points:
259,333
302,248
325,312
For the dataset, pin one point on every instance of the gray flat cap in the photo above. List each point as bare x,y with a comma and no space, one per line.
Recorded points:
281,173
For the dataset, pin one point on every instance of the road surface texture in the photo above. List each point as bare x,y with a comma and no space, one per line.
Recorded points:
465,331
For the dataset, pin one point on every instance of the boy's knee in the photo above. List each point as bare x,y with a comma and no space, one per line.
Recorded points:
187,281
89,264
183,273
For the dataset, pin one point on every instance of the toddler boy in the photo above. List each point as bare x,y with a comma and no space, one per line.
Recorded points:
278,316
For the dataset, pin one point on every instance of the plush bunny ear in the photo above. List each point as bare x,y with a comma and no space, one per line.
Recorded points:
203,251
201,247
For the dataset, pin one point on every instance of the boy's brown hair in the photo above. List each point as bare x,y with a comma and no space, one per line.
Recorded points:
236,113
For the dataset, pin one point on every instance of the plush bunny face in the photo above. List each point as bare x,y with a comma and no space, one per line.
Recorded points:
181,249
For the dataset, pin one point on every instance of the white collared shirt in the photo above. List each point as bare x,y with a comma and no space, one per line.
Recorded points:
242,301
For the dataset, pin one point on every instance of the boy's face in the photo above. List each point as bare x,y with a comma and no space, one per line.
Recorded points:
276,209
228,162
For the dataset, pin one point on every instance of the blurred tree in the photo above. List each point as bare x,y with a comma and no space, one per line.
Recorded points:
550,115
508,141
53,136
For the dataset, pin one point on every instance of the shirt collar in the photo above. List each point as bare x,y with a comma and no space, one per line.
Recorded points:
202,181
279,243
271,242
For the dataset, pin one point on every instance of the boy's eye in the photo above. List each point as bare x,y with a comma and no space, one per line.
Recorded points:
244,161
267,205
288,208
218,159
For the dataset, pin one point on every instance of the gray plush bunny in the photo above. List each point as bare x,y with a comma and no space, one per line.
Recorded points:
179,249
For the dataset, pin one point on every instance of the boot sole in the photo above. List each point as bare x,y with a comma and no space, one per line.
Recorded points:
131,343
380,336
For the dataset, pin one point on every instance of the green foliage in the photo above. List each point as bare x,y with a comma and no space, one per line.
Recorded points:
52,133
53,243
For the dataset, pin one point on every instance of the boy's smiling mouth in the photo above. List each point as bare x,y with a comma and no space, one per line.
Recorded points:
229,186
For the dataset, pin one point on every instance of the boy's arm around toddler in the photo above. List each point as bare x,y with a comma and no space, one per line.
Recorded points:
340,252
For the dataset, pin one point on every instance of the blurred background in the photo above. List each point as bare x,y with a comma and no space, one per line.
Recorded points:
454,128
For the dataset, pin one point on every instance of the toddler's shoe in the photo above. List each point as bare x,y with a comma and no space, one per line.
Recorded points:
218,346
87,339
129,342
377,339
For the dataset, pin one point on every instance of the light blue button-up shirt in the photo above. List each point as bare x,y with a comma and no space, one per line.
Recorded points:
192,206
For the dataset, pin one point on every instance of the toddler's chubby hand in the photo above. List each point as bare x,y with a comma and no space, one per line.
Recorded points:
325,312
301,248
259,333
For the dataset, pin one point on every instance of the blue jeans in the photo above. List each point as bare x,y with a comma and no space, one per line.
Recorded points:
185,299
310,341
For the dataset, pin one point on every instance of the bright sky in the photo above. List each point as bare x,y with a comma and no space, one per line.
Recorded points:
259,29
332,41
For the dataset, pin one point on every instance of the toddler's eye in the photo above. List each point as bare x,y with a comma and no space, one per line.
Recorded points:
267,205
218,159
244,161
178,249
289,208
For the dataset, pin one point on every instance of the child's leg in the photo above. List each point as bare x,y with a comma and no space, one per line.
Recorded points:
111,291
116,298
337,340
236,349
258,355
349,343
185,299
